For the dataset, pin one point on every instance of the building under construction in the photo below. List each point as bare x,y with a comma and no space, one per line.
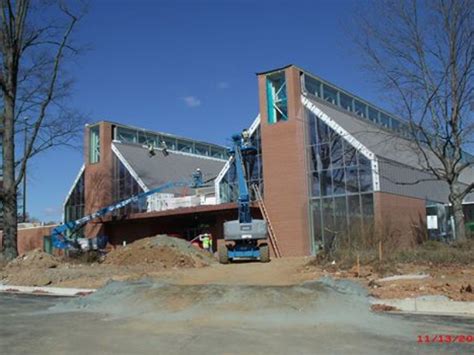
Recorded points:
327,162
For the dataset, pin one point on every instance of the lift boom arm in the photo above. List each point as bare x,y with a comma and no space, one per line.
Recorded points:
245,215
58,235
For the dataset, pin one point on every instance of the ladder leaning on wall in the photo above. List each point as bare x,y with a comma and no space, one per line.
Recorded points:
271,232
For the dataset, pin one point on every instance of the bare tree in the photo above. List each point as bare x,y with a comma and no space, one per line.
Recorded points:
35,39
422,54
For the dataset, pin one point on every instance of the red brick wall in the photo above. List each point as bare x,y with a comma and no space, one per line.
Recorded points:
98,177
399,216
286,192
30,238
130,230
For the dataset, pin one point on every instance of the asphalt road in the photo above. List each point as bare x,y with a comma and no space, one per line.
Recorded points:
27,327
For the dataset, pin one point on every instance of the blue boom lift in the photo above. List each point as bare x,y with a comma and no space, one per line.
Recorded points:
64,235
244,233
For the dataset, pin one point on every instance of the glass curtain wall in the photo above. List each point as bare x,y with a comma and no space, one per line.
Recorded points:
74,207
142,137
124,186
229,189
340,183
330,93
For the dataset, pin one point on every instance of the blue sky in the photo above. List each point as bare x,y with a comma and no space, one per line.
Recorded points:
188,68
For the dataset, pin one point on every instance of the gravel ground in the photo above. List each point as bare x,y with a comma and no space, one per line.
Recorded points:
145,317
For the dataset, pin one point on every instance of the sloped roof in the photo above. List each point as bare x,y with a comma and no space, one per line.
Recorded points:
383,143
159,169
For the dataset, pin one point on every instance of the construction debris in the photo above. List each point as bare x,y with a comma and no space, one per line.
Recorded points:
404,277
407,280
383,308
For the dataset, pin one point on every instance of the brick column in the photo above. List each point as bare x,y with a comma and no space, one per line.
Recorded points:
98,176
284,169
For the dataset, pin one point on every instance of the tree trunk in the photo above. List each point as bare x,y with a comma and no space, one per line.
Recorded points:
9,187
10,226
460,229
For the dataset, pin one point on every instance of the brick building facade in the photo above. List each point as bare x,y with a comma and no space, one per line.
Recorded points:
328,162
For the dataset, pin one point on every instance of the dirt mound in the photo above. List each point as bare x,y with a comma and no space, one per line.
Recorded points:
34,259
161,251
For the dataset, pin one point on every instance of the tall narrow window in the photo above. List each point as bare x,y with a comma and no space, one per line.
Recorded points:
94,145
74,206
277,100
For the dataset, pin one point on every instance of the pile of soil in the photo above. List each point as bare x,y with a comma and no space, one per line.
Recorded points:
31,269
162,252
34,259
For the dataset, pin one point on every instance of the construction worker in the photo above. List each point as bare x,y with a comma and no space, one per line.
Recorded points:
206,241
197,177
210,244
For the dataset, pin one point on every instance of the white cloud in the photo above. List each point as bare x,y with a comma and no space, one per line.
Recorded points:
192,101
52,211
223,85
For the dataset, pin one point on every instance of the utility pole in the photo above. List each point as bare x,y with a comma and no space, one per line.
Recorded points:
24,175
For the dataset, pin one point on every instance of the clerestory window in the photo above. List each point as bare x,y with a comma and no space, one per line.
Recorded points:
277,100
94,145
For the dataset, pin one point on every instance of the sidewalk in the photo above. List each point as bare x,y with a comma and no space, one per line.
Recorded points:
435,305
46,291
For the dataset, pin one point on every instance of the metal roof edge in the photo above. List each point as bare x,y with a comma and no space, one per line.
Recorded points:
276,69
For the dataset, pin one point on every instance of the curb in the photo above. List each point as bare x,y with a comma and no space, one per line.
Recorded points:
46,291
428,305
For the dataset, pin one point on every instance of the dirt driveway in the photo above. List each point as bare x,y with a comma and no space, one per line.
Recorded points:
285,271
94,275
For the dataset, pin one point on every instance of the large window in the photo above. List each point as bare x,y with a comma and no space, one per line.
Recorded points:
277,100
346,102
330,94
185,146
126,135
125,186
94,145
360,109
312,86
340,182
162,140
74,206
341,98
